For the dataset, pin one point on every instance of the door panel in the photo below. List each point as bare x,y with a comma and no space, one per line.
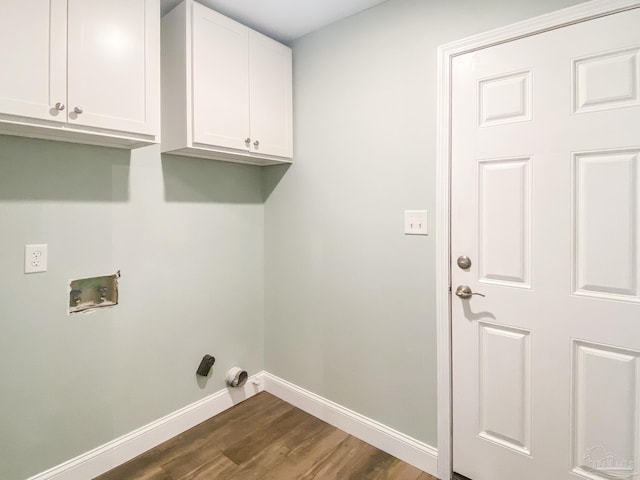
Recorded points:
36,78
610,80
545,201
505,363
505,99
605,423
606,245
504,230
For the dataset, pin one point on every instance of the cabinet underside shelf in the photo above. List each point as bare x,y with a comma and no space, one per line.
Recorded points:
236,157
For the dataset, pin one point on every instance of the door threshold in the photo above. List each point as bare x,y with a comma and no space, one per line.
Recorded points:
457,476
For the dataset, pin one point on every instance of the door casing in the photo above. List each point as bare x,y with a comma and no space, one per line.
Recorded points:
446,54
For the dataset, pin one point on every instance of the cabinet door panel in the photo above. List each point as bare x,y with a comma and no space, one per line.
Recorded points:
220,80
112,64
271,96
33,58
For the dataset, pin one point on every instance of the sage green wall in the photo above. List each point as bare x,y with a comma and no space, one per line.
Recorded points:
187,235
349,302
350,307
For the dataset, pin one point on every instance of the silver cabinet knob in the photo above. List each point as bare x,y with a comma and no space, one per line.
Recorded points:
247,141
77,110
59,106
256,144
464,292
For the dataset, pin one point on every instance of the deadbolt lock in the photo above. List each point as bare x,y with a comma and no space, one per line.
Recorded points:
464,262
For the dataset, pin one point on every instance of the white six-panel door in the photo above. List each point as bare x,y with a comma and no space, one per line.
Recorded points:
546,204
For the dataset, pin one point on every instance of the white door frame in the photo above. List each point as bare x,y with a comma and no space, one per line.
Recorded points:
446,54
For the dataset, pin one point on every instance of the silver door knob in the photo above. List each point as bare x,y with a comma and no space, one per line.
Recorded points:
464,292
256,144
59,106
77,110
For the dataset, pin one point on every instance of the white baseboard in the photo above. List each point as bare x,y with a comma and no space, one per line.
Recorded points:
123,449
408,449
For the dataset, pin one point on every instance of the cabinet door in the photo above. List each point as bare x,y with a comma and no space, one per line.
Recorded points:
113,64
271,96
33,58
219,79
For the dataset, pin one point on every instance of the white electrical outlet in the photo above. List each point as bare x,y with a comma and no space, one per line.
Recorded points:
35,258
415,222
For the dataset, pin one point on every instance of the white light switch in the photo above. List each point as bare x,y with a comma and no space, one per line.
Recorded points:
35,258
415,222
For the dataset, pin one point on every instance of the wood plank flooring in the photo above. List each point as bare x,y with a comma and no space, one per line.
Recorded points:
268,439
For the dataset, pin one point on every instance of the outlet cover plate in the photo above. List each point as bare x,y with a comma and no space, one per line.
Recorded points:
415,222
35,258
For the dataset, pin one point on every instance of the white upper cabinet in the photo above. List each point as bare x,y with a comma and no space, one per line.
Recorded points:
227,90
84,71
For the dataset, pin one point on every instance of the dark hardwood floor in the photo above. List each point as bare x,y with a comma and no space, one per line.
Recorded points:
268,439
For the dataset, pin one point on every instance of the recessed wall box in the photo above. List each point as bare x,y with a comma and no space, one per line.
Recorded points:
87,294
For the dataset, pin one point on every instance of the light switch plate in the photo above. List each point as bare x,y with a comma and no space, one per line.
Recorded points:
415,222
35,258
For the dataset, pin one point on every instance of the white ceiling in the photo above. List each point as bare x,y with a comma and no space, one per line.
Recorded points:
284,20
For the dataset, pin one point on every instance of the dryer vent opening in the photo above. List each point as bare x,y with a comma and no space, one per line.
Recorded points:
236,377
